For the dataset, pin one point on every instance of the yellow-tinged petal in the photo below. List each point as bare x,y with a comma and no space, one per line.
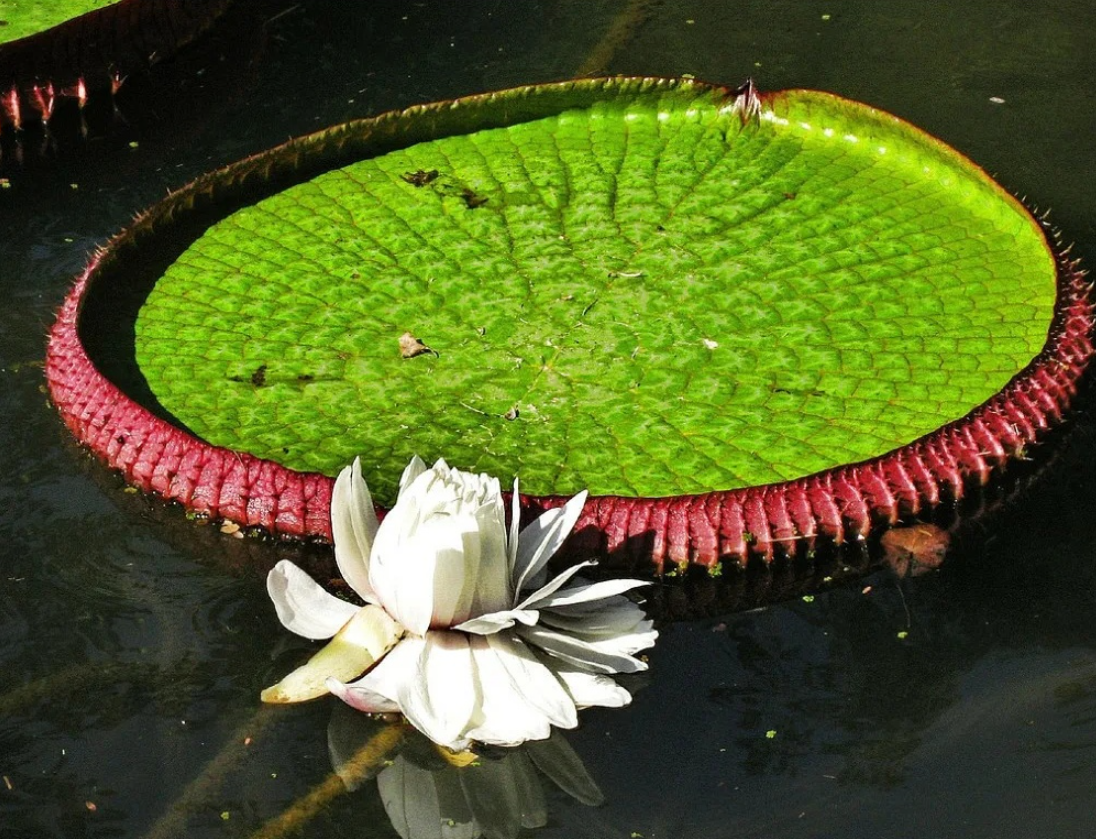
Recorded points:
367,636
457,759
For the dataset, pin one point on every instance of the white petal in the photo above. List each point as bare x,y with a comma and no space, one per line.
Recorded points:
600,619
590,689
361,699
588,592
456,563
353,528
622,643
426,560
550,588
538,542
533,680
415,468
303,606
614,625
492,590
504,717
440,700
515,524
584,655
497,621
367,636
378,690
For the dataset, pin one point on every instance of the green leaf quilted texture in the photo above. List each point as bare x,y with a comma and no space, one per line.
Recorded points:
20,18
658,294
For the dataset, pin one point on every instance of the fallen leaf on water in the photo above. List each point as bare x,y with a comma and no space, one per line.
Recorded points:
915,550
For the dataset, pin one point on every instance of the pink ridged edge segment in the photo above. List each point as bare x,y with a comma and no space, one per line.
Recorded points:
836,506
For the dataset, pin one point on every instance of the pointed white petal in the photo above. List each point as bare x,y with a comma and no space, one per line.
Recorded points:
533,680
615,616
584,655
515,525
353,528
590,689
441,698
426,560
623,643
538,542
303,606
456,566
415,468
492,590
497,621
378,690
587,592
552,587
504,717
367,636
361,699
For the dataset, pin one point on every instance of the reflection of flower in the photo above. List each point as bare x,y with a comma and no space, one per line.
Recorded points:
485,648
426,794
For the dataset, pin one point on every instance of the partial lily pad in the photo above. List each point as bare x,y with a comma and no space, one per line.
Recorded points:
742,320
21,18
57,50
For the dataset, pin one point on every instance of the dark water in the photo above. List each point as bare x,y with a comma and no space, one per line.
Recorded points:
133,644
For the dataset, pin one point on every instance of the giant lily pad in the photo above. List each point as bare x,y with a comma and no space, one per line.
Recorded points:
742,321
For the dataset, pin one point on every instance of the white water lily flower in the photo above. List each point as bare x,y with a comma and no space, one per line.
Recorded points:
485,647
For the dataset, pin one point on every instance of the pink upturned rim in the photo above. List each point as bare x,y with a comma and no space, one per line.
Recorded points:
836,505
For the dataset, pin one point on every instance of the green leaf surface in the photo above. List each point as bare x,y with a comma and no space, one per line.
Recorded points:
20,18
650,296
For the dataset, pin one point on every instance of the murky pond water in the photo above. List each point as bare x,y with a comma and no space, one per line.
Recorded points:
133,644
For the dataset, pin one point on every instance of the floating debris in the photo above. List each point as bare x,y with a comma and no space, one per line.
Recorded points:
420,177
410,346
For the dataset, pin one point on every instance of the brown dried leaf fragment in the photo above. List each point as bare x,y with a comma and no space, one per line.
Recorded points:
420,177
472,200
410,346
912,551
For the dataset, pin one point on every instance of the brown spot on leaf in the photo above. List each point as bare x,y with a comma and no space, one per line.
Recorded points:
420,177
258,378
410,346
472,199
